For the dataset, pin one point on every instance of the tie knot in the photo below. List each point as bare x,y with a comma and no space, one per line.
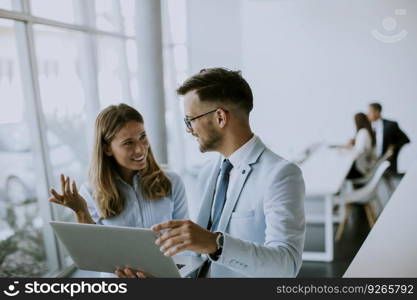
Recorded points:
226,166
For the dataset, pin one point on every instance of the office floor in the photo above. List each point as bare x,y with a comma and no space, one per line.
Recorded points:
345,250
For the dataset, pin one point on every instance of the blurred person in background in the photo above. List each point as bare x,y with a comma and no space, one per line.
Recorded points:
364,147
389,136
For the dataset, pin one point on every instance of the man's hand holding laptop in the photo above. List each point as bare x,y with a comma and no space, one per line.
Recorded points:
181,235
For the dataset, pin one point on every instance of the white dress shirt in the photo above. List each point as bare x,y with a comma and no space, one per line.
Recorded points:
378,127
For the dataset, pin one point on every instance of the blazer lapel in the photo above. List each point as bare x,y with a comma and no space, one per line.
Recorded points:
240,182
234,195
208,196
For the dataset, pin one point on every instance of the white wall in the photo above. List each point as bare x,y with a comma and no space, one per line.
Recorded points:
312,64
214,34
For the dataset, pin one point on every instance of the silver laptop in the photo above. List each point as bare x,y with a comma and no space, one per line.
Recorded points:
103,248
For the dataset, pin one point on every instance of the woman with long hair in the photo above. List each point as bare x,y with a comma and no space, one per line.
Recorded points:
126,186
363,146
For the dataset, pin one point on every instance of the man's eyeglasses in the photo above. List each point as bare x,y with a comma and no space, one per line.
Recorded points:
187,120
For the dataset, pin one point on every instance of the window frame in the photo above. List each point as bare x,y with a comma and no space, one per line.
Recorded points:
83,9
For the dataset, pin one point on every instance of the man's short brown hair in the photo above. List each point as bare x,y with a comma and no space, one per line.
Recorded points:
376,106
220,85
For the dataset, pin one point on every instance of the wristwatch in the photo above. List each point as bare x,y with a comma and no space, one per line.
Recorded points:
219,243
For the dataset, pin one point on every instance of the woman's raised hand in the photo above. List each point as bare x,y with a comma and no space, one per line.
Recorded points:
69,197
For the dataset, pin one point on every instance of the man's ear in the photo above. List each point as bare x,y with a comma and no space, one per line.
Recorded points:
107,150
222,117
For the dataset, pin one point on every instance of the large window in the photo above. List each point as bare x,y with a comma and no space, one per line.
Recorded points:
60,62
5,4
112,72
22,247
63,97
62,10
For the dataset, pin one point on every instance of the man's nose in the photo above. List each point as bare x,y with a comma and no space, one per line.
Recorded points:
188,130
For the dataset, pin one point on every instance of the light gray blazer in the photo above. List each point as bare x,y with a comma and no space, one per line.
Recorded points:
263,219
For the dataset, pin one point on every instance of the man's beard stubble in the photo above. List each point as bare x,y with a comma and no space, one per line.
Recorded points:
213,141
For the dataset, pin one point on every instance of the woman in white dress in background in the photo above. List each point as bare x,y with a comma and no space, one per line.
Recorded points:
364,147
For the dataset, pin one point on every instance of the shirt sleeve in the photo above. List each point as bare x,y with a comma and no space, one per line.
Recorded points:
179,197
87,194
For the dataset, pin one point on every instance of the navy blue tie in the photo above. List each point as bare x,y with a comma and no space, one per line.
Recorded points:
221,192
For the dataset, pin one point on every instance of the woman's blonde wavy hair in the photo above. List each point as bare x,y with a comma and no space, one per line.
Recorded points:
103,169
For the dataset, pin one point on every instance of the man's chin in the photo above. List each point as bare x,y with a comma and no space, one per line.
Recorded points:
203,149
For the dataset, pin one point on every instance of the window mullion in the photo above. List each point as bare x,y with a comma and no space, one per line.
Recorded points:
125,80
38,132
85,10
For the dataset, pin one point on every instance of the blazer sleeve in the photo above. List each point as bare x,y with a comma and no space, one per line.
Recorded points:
400,137
281,254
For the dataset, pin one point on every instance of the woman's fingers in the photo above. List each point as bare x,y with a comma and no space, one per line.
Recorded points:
55,194
67,186
62,183
129,272
54,200
74,188
120,273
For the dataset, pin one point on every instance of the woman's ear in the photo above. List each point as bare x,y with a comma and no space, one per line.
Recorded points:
107,150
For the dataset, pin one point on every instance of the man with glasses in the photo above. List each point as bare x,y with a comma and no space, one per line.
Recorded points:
251,218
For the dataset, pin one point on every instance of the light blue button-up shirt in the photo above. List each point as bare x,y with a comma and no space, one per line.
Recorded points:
139,211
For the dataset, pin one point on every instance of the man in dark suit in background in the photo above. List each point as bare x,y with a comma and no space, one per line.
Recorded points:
389,136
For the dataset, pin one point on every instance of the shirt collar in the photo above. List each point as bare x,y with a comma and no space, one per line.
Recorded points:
377,123
238,157
120,179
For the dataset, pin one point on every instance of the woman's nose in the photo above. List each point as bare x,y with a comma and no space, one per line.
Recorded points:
139,149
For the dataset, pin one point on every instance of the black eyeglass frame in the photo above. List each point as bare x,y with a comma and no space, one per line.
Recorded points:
187,121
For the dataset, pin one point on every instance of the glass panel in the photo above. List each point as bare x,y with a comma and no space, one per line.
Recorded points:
62,10
128,16
177,21
177,32
22,247
5,4
181,62
132,60
63,97
110,70
107,15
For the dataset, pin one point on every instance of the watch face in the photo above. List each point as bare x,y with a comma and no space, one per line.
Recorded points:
220,240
